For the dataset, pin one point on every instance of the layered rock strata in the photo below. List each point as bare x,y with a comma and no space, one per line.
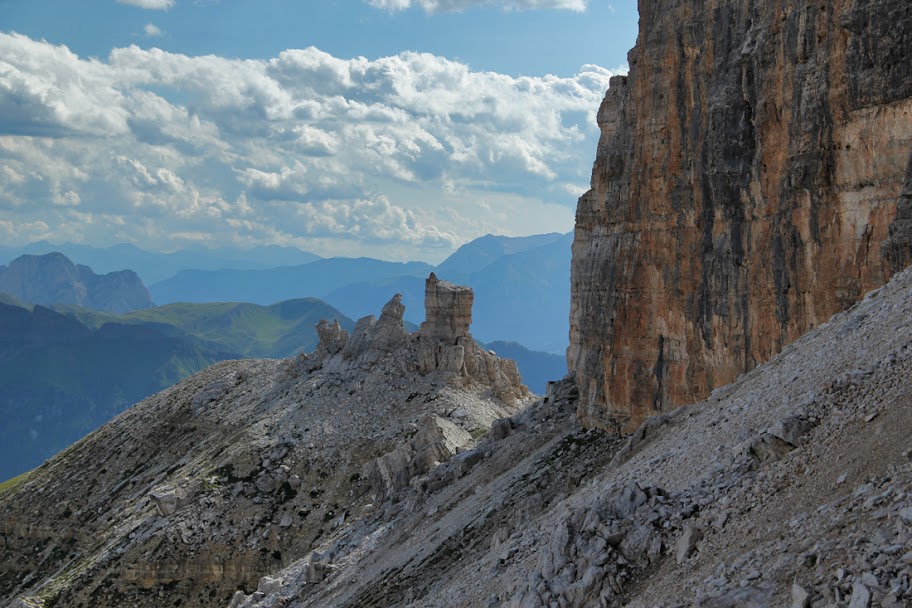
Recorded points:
753,177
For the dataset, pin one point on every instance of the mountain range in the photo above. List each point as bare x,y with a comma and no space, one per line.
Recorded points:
69,368
734,430
153,267
521,282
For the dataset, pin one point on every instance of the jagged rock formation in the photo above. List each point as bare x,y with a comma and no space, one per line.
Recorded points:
790,487
208,486
53,279
752,178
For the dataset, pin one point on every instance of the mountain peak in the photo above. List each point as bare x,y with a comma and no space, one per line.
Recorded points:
52,278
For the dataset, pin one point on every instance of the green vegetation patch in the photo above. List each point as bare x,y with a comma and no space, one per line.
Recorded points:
10,484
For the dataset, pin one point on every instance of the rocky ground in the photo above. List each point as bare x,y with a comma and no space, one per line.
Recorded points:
353,479
790,487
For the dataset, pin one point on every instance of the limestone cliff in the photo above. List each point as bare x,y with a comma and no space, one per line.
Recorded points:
753,177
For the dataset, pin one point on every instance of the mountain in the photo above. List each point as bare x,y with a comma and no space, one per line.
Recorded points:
154,267
54,279
522,296
753,177
279,330
60,379
525,297
536,368
480,253
275,284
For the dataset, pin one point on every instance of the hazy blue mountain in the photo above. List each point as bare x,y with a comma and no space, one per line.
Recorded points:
315,279
523,297
54,279
366,298
153,267
480,253
536,368
60,379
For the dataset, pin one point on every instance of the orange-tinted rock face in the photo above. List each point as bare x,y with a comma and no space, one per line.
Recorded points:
753,177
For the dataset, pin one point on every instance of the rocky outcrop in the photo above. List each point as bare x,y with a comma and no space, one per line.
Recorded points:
447,309
752,179
436,441
53,279
442,347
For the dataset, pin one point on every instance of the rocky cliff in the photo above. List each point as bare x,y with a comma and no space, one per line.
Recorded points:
54,279
753,177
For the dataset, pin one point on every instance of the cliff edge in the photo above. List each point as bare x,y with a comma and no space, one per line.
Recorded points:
753,177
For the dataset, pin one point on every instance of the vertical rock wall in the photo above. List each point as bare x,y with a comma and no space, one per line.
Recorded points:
753,177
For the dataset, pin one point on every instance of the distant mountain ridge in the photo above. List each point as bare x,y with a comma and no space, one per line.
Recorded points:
521,282
283,283
54,279
476,255
153,267
520,296
250,330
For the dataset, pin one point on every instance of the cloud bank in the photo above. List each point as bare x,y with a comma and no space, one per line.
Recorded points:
436,6
155,5
402,156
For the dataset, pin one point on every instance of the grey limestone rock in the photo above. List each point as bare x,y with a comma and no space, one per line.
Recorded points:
861,596
448,310
687,543
165,500
800,597
332,337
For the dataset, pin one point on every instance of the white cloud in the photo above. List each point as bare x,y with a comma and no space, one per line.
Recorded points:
375,220
155,5
435,6
151,146
152,31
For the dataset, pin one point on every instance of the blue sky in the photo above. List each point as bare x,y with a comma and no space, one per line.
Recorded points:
392,128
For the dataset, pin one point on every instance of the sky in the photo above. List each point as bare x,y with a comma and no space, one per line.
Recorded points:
397,129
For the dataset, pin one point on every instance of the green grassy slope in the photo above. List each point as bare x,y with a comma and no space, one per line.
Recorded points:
279,330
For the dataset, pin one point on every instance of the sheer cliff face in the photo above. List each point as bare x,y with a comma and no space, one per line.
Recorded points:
753,177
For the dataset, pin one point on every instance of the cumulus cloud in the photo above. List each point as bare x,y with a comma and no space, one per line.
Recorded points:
155,5
152,31
148,146
435,6
375,220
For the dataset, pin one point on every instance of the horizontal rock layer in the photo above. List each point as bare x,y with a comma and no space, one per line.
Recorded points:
753,177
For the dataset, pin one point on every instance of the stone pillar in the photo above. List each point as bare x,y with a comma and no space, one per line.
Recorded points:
448,310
